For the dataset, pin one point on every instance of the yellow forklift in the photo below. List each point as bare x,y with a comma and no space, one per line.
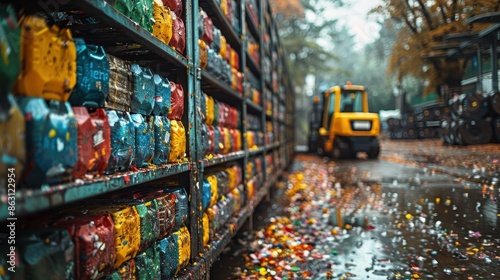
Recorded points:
340,125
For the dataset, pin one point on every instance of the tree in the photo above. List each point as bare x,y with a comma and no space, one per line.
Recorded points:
422,26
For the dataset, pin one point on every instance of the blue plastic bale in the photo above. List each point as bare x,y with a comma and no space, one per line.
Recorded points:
92,70
147,264
214,62
204,139
181,206
162,140
144,140
169,256
143,97
206,194
51,141
122,141
162,96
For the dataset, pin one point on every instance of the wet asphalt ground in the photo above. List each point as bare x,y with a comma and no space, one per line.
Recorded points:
398,217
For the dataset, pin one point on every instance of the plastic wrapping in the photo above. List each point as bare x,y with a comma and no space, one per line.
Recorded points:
206,194
169,256
174,5
147,264
206,229
127,227
46,254
92,72
166,213
120,84
48,57
12,127
181,207
203,49
176,101
162,28
178,41
184,240
161,140
125,271
10,65
143,97
94,144
51,141
210,113
177,141
163,92
150,226
144,140
94,240
208,34
122,141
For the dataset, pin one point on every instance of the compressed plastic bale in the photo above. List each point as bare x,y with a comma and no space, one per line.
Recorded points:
94,142
208,25
235,59
166,213
144,140
162,96
183,238
204,139
227,141
48,57
216,113
216,43
236,206
178,41
206,194
213,62
214,218
46,254
161,140
250,189
162,28
181,207
223,46
123,6
202,109
122,141
150,226
177,141
201,29
120,85
174,5
203,49
223,6
10,66
144,90
12,124
206,229
125,271
210,110
147,264
212,180
94,240
211,139
223,182
92,71
142,13
227,56
176,101
51,141
218,144
127,227
169,256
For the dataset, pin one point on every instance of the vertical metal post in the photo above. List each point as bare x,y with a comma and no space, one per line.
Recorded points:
479,86
494,62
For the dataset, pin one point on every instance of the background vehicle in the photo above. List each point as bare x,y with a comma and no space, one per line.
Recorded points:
340,124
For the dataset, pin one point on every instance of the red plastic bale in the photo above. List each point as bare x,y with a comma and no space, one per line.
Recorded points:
178,41
176,101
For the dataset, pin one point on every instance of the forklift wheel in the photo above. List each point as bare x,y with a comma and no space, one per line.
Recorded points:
340,149
374,152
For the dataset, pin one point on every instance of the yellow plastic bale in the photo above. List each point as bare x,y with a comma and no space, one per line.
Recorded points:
177,141
250,189
206,229
212,179
223,6
227,141
210,110
184,241
238,142
48,57
223,46
237,200
203,54
162,28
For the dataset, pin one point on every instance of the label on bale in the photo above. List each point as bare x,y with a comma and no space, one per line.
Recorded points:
169,256
184,240
162,140
12,124
92,70
48,57
150,227
51,141
46,254
176,101
122,141
10,65
163,92
162,28
177,141
147,264
93,156
120,85
94,240
144,140
143,97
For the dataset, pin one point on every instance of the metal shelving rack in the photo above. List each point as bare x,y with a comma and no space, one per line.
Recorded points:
113,30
